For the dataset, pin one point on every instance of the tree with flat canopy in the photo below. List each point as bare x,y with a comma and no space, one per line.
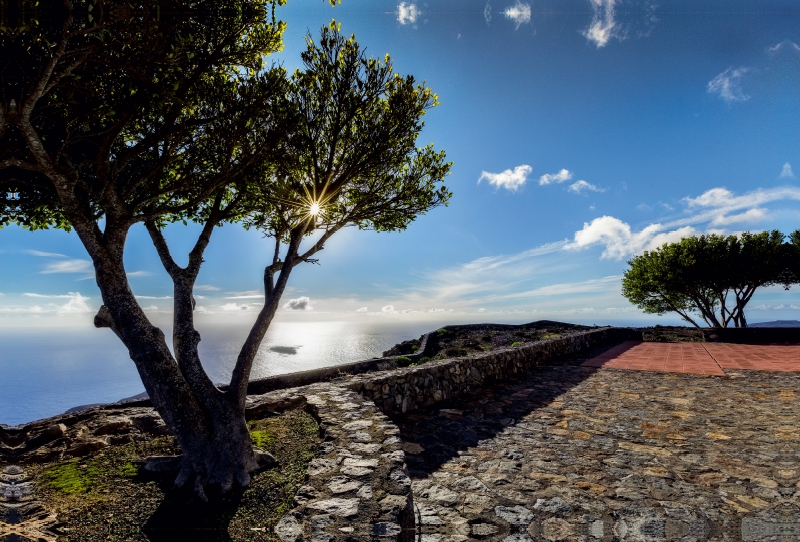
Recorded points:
118,113
712,276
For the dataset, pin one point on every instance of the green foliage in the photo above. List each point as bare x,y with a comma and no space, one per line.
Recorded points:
353,149
403,359
709,275
441,331
517,343
424,359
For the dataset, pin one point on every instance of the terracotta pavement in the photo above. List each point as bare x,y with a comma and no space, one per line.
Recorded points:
699,358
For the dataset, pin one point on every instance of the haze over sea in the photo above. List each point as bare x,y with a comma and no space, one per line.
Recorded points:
48,371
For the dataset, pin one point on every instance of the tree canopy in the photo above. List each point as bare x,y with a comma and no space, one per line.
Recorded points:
710,276
115,113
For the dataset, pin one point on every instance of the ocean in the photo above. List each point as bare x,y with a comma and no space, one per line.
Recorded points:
44,372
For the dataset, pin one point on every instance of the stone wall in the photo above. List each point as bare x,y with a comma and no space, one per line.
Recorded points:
358,486
402,390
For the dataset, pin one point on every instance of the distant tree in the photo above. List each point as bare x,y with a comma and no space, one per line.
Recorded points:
153,112
711,276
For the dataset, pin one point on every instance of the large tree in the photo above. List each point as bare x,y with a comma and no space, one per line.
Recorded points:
156,112
712,276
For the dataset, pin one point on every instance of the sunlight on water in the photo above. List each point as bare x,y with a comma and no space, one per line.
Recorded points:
44,372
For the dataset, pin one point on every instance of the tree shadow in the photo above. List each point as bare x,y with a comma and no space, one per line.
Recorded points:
449,427
181,516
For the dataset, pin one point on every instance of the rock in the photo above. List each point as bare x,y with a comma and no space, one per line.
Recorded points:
288,529
442,494
343,484
85,447
338,507
393,504
517,515
113,425
163,463
556,505
57,430
470,483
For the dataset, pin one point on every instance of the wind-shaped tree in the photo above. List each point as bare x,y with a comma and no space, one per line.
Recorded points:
154,112
711,275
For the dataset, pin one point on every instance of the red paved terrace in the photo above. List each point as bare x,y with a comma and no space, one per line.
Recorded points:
698,358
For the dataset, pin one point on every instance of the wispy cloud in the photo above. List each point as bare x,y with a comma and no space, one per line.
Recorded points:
388,308
519,13
787,171
139,274
300,304
561,177
362,309
582,186
728,85
407,13
603,26
153,297
785,45
250,294
44,254
206,288
69,266
487,13
508,179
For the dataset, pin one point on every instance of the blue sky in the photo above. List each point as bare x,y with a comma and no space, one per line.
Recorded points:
582,133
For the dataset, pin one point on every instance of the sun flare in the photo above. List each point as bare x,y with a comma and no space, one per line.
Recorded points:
314,209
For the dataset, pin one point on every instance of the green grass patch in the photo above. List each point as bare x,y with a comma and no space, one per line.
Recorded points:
517,343
441,331
405,359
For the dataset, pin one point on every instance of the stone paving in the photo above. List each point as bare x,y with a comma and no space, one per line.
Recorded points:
580,453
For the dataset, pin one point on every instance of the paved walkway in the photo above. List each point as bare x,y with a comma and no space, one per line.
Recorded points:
580,453
698,358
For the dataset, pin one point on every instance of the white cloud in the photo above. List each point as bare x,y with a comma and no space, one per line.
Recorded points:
153,297
300,304
62,296
751,215
150,308
519,13
582,186
235,307
487,13
785,44
44,254
250,294
407,13
362,309
620,241
139,274
388,308
561,177
508,179
728,85
77,304
206,288
787,171
69,266
603,26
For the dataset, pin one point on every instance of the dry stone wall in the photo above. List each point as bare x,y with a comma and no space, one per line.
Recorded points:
402,390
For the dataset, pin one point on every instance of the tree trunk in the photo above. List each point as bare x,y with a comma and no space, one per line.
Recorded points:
211,429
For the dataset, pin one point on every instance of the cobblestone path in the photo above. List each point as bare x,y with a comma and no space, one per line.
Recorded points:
578,453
